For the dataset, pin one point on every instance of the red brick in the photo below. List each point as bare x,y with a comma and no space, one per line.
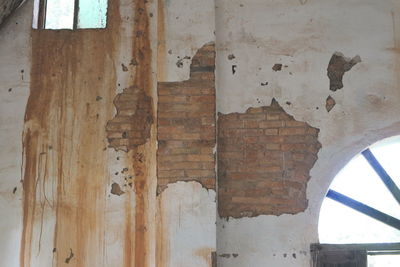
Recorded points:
271,124
171,173
292,131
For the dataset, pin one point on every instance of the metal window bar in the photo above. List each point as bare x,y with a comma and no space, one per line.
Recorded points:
42,14
365,209
43,11
333,254
385,177
76,12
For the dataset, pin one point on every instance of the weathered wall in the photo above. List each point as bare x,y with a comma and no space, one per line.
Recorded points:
186,207
89,171
85,151
253,38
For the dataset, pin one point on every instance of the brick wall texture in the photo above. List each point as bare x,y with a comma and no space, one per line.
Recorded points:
264,160
132,124
186,125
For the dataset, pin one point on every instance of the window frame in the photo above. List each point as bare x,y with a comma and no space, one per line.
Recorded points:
39,16
320,253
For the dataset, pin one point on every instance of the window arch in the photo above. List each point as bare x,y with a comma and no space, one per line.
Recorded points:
362,208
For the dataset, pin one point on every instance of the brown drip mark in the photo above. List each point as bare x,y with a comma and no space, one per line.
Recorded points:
161,49
130,131
69,258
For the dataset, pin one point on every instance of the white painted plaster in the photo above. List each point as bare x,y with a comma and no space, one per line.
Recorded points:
303,35
189,221
14,57
189,24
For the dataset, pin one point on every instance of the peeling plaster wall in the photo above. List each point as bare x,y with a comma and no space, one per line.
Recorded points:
265,49
90,195
253,36
184,27
186,211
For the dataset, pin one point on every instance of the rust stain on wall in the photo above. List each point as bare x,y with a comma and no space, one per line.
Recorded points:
162,242
206,254
161,49
64,172
131,131
66,123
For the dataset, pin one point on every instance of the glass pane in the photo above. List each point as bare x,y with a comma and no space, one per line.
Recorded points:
359,181
92,14
59,14
340,225
384,261
387,152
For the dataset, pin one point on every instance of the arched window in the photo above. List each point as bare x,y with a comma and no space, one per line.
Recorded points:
362,207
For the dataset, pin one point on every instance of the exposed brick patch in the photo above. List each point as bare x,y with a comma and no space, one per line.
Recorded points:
186,125
131,125
264,160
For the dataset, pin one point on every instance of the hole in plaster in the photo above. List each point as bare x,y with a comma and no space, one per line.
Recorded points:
234,69
338,65
330,103
231,56
277,67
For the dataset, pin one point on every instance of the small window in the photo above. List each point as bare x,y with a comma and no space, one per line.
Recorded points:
70,14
